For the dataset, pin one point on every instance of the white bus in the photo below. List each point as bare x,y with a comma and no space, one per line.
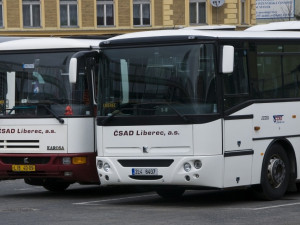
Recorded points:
47,123
276,26
186,109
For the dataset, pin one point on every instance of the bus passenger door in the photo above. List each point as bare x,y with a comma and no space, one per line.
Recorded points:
238,150
238,126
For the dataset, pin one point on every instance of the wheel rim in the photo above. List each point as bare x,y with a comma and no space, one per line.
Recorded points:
276,171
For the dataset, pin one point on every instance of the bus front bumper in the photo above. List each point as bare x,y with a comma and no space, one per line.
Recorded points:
204,171
66,167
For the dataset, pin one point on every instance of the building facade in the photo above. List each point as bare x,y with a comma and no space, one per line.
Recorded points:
102,17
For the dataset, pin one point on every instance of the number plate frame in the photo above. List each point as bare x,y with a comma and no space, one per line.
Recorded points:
144,171
23,168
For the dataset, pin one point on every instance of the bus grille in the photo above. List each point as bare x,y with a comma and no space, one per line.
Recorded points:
21,160
19,144
146,162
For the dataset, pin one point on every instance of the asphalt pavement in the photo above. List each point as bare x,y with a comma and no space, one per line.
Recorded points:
80,205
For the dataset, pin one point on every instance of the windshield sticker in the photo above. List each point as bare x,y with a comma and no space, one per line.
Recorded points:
28,66
109,105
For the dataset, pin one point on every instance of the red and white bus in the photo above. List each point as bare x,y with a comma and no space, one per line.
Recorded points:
47,121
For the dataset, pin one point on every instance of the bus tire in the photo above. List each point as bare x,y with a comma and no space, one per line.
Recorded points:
170,193
275,173
55,186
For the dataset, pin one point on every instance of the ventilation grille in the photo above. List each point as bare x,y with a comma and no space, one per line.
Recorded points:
146,162
21,160
19,144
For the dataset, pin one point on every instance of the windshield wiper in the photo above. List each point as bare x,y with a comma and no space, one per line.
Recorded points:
53,113
182,116
34,107
112,115
118,111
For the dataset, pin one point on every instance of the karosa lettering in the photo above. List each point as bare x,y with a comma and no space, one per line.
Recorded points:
138,133
55,148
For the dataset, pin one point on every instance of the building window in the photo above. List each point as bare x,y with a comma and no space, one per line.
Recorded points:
1,14
197,11
68,13
31,13
141,12
105,12
243,11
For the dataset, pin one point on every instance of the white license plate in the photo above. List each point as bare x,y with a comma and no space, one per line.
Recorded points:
144,171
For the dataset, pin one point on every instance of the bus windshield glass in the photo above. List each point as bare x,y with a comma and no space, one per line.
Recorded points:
37,84
158,80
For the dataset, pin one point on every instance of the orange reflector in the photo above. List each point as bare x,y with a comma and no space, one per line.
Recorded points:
256,128
79,160
68,111
294,116
262,154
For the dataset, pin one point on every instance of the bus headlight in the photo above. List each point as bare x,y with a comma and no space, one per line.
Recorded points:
99,164
198,164
106,167
187,167
66,160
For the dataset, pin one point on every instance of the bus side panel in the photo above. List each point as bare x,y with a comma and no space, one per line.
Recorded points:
81,135
273,121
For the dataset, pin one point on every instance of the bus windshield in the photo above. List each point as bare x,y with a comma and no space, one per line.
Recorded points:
37,84
158,80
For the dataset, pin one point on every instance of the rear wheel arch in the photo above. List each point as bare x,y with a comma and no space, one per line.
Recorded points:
289,149
278,170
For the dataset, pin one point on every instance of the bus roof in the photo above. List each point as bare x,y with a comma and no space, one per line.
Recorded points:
277,26
211,27
8,38
166,35
48,43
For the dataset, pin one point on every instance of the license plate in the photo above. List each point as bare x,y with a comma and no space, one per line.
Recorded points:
144,171
23,168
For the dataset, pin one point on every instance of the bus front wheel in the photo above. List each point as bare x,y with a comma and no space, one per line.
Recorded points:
275,173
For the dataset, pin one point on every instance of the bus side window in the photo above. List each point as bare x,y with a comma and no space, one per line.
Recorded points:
236,85
269,73
278,73
291,70
291,77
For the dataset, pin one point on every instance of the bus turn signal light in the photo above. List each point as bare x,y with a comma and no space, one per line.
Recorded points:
256,128
78,160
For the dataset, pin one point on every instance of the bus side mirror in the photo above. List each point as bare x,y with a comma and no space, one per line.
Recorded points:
227,59
76,62
73,70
